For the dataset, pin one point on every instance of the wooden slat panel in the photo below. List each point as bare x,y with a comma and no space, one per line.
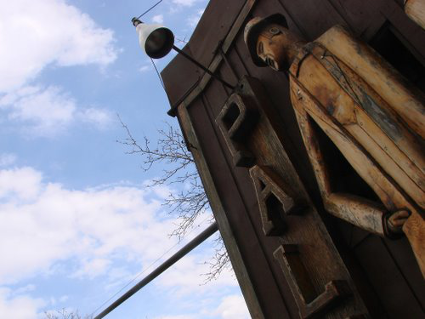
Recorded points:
277,87
388,281
363,16
232,246
314,16
201,46
270,81
244,187
195,89
215,98
264,282
274,86
185,89
214,28
405,261
412,35
310,18
297,226
176,89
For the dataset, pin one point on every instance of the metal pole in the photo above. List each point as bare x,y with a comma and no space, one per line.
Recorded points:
163,267
202,67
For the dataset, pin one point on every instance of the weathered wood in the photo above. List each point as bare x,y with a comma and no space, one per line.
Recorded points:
335,96
206,78
390,284
395,281
415,9
364,165
309,303
316,25
379,75
240,205
358,212
305,229
235,121
355,13
367,169
206,39
415,231
232,246
369,119
274,200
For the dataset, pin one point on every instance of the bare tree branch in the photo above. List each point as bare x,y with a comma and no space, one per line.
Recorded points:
219,262
64,314
170,150
190,202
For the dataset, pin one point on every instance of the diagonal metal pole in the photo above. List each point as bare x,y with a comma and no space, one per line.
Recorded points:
202,67
161,268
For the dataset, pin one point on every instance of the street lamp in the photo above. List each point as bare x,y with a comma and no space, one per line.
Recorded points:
157,41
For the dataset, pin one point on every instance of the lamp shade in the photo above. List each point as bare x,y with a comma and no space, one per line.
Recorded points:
156,40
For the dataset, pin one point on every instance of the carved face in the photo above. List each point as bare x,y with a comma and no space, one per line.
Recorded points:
277,46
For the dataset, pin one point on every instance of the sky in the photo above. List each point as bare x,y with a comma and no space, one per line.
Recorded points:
77,222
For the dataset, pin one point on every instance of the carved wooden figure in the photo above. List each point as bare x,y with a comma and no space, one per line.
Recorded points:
360,122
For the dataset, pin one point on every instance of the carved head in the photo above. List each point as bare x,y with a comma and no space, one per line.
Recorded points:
270,43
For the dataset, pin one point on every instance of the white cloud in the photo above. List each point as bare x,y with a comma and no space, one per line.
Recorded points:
45,111
21,184
49,111
45,223
7,159
176,317
18,307
93,233
93,268
158,19
145,68
98,117
193,20
24,289
34,34
185,3
233,307
181,281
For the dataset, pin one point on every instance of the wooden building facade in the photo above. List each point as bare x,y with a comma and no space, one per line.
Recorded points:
315,265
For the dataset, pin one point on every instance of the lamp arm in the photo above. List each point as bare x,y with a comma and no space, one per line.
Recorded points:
202,67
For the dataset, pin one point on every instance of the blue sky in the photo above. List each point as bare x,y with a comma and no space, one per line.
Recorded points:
76,222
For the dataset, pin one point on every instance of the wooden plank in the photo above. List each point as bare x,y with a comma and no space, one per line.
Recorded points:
214,28
176,99
406,263
408,32
221,218
202,47
177,88
244,183
387,280
297,227
249,212
269,82
314,21
363,16
388,83
415,9
277,87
